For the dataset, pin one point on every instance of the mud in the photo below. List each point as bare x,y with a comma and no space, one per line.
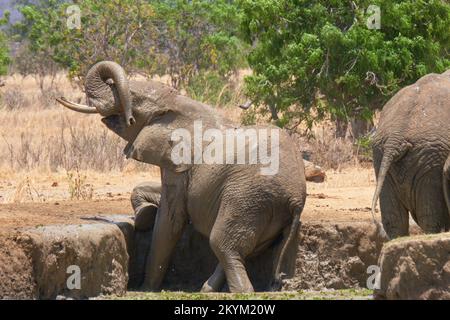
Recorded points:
16,269
34,260
331,256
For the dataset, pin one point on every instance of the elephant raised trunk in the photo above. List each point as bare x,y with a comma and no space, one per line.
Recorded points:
107,90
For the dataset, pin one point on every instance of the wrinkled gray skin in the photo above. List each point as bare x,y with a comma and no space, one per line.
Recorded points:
411,157
145,200
241,211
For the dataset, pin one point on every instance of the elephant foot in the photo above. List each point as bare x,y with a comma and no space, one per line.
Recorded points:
276,285
215,282
206,288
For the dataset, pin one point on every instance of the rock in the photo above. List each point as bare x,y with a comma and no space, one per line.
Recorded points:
98,250
416,267
313,173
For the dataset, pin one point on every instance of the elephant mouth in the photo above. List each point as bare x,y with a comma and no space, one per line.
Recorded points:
116,123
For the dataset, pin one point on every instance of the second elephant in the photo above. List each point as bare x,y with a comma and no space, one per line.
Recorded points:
411,157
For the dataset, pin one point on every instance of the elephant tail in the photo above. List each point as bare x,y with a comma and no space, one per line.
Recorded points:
289,242
390,155
445,183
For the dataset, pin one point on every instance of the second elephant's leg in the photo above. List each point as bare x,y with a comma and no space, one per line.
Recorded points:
394,215
216,282
430,205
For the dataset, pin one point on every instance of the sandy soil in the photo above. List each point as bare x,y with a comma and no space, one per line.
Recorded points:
344,197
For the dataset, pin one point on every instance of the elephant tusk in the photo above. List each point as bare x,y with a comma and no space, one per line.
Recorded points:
75,106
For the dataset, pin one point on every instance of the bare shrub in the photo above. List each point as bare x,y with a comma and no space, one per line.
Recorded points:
68,147
333,153
47,97
26,191
14,99
86,147
326,151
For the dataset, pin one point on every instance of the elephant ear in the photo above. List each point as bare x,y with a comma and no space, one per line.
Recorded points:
153,144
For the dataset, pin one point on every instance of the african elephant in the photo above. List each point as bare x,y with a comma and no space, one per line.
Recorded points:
411,151
240,208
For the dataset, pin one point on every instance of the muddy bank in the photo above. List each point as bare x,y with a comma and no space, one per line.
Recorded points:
334,256
77,261
111,255
416,267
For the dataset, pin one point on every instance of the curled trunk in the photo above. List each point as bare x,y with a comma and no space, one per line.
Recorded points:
108,90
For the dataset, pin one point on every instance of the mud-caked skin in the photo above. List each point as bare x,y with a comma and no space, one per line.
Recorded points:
411,151
240,210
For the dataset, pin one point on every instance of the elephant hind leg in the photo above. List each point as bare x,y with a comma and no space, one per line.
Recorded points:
232,241
287,265
431,207
394,214
145,200
216,282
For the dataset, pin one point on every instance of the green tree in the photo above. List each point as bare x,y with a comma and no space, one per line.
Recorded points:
110,30
40,35
4,47
184,39
318,58
197,37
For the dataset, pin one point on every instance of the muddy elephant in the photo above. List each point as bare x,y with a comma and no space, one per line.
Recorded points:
411,151
241,207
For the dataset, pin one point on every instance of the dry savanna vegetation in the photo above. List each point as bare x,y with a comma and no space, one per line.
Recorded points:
48,152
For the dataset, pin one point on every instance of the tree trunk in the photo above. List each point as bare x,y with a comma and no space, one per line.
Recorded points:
273,111
341,128
360,127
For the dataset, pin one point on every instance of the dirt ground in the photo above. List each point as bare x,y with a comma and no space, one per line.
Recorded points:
344,197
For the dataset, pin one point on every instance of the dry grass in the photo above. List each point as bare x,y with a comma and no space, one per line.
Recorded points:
36,134
42,144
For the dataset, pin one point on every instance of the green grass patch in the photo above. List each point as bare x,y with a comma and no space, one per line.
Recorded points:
347,294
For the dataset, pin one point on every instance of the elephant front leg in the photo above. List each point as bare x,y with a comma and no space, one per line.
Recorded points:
169,225
145,200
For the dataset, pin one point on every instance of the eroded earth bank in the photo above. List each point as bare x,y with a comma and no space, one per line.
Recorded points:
40,243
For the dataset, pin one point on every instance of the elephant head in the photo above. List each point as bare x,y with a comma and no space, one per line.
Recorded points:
144,113
107,91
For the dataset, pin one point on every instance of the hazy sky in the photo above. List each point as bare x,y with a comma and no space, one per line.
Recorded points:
7,5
